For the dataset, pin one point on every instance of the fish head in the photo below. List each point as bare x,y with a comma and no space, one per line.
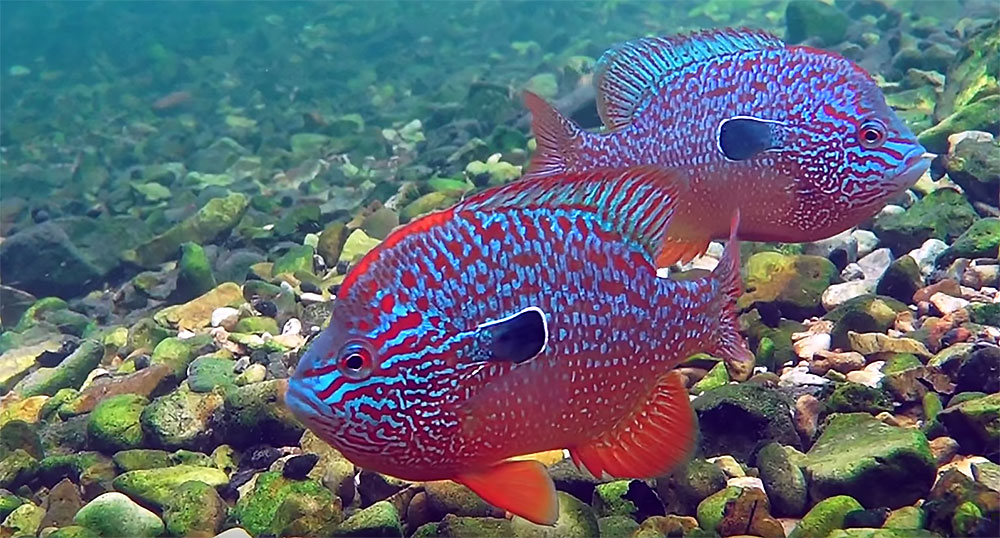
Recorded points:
851,152
382,376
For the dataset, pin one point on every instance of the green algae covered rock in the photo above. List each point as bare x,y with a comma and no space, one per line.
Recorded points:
207,372
877,464
177,353
257,325
734,419
453,526
114,424
157,487
975,424
805,19
943,214
298,258
882,533
952,496
8,502
214,220
194,276
901,280
711,510
622,527
783,481
254,412
73,531
907,517
259,510
610,500
792,283
181,419
981,115
975,166
380,520
576,520
141,458
826,517
25,520
857,398
716,377
195,508
981,240
70,373
197,313
864,313
114,514
974,73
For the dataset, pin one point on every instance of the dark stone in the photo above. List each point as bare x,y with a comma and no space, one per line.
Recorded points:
735,419
870,518
980,372
297,467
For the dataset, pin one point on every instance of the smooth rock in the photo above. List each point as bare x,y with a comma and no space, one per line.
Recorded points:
114,514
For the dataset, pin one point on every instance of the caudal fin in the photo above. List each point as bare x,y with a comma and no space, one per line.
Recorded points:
557,138
729,343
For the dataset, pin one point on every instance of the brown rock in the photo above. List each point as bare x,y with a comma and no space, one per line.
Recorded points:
943,449
62,504
848,361
143,382
807,411
447,497
748,514
669,525
947,286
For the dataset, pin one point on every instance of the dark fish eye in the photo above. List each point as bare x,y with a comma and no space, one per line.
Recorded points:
355,360
871,134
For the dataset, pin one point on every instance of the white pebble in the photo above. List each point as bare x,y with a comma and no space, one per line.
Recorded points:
865,377
946,303
292,326
310,298
221,315
867,241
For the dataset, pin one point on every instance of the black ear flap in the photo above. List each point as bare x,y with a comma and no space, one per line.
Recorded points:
516,338
742,137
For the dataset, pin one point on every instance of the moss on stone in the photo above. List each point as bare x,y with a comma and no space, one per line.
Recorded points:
157,487
114,424
827,516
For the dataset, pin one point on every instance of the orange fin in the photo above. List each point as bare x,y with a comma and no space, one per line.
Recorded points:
522,488
657,435
681,250
556,137
729,344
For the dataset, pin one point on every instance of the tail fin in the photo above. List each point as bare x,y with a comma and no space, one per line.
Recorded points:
730,345
557,138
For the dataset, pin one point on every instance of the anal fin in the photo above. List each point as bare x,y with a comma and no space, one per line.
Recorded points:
681,250
658,434
523,488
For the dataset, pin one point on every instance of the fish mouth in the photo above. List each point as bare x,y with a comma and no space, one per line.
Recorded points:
302,403
915,163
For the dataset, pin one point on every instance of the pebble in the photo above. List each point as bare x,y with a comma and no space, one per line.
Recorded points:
947,304
809,346
927,254
292,327
234,532
312,298
225,317
867,241
866,377
890,209
839,294
845,362
799,380
297,467
729,465
852,272
874,265
745,482
806,415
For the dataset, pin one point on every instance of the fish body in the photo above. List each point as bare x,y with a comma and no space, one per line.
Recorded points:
526,318
800,140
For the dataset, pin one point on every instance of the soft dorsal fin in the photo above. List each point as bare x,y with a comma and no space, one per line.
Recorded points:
628,71
636,202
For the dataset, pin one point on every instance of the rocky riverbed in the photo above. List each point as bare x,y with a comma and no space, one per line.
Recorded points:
162,273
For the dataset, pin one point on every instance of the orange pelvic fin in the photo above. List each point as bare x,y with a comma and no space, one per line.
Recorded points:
657,435
681,250
522,488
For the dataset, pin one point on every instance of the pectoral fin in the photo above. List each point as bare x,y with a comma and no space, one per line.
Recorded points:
523,488
658,434
681,250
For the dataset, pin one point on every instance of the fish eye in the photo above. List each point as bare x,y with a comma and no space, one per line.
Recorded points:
871,134
355,360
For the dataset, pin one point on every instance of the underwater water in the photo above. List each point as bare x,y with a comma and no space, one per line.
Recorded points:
316,269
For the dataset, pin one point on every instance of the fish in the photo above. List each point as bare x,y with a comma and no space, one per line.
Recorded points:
524,319
800,140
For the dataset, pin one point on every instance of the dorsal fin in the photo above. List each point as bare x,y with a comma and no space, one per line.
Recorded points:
630,70
636,202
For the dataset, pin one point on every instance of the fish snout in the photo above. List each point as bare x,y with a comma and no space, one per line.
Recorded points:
302,401
915,163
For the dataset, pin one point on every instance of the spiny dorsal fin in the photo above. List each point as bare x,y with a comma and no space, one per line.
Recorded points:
630,70
636,202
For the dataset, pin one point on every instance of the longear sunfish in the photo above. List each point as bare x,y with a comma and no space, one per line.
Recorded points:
526,318
800,140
